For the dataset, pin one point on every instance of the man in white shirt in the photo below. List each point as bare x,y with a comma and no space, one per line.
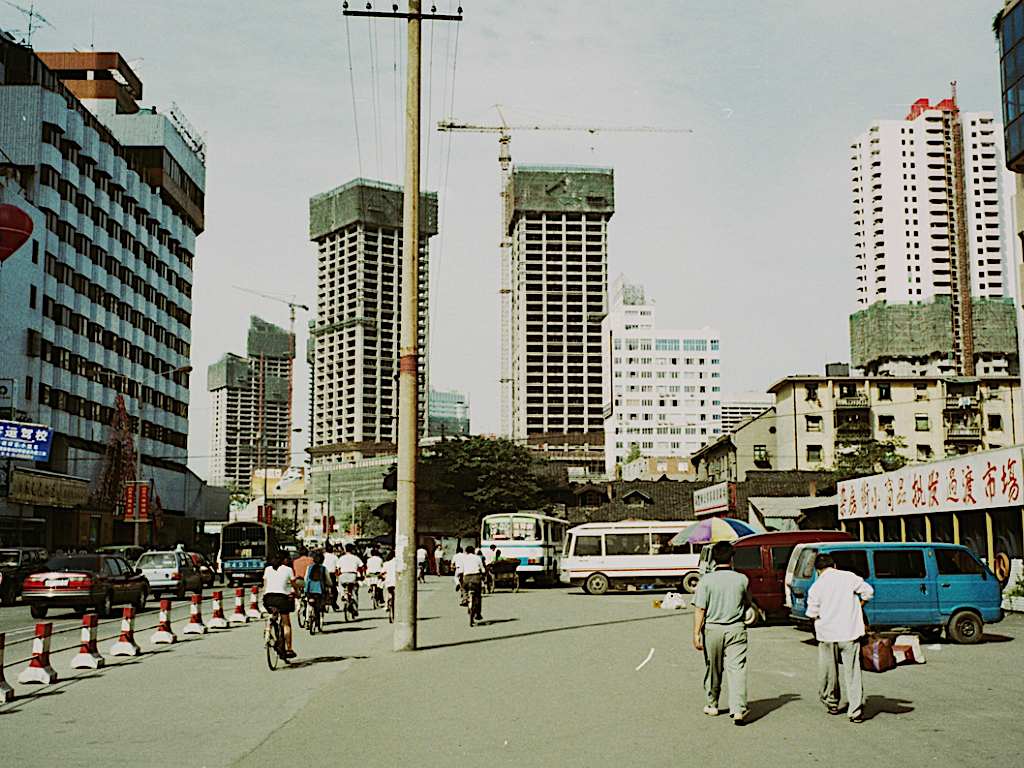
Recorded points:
331,565
457,562
473,572
438,557
835,602
421,563
349,566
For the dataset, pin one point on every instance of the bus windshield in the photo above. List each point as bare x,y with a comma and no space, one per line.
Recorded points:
512,528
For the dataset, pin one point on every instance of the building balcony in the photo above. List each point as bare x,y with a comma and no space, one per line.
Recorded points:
960,432
961,403
852,402
853,433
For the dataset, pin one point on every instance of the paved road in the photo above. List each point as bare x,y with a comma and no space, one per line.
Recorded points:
554,678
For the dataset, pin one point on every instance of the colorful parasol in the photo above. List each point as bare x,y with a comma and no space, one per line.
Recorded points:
714,529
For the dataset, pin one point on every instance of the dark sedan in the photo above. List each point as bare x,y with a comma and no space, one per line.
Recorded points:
82,582
17,564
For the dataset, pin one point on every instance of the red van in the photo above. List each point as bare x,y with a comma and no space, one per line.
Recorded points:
763,558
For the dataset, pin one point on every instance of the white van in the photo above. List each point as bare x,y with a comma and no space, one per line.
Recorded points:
598,556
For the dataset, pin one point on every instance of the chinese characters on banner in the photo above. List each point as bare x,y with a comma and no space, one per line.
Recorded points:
985,480
144,502
136,502
129,503
25,441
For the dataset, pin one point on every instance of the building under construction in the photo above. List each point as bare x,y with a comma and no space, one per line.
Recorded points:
556,293
250,421
917,339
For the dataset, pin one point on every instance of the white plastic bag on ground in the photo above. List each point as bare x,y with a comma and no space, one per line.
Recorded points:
673,601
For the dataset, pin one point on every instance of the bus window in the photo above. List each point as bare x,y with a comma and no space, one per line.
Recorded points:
627,544
662,546
587,545
526,529
498,528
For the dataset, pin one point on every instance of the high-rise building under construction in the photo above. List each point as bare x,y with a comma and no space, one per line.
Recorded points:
929,209
557,220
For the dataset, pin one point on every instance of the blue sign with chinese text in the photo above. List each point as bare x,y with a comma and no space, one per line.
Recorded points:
25,441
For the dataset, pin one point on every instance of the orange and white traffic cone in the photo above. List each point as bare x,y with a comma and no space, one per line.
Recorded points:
218,621
163,634
253,611
88,656
238,617
39,669
195,624
6,690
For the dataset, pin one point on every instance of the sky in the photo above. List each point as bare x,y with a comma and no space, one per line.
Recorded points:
744,224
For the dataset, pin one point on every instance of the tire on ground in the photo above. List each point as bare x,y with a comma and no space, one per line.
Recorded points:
690,581
965,627
596,584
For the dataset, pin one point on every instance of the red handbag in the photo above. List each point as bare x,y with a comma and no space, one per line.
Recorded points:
876,654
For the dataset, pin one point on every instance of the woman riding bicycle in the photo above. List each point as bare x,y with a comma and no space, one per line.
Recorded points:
279,591
316,586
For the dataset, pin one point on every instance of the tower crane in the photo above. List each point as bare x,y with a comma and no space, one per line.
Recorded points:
292,306
504,132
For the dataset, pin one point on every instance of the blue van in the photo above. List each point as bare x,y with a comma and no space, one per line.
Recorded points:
925,586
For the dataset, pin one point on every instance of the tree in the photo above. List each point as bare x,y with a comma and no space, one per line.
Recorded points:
634,452
868,458
119,462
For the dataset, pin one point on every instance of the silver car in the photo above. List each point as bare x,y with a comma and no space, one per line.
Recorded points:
172,572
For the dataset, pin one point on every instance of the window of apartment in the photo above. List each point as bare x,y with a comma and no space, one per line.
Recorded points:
814,453
995,422
920,392
760,453
813,423
885,391
921,422
886,423
811,391
924,452
32,297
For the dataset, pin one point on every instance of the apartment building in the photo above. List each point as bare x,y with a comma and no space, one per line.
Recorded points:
738,407
663,387
908,214
557,219
250,421
817,416
98,304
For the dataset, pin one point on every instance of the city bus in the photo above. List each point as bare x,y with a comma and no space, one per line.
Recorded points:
244,549
536,540
599,556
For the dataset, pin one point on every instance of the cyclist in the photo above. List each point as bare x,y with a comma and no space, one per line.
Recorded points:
473,573
374,564
331,564
421,563
300,564
316,583
388,574
349,566
279,591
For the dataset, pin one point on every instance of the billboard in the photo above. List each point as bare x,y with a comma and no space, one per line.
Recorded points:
25,441
975,481
290,481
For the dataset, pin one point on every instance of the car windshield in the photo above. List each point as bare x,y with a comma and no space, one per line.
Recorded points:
8,557
74,563
157,560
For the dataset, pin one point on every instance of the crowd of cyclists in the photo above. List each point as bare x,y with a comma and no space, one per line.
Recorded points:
329,578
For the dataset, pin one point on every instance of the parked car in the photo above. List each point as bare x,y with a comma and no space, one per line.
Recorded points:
925,586
16,565
83,582
172,572
762,558
129,552
206,570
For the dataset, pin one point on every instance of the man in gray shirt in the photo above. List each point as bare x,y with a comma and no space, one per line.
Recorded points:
722,597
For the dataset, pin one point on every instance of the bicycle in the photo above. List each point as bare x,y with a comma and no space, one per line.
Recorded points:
391,605
377,593
301,615
273,636
316,614
350,601
474,590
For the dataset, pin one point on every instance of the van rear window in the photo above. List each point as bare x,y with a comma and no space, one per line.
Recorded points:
853,560
900,564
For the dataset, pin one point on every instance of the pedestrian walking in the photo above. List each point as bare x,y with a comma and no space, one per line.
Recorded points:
438,557
722,597
835,602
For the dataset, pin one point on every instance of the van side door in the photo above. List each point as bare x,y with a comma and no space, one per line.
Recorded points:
904,582
963,580
750,562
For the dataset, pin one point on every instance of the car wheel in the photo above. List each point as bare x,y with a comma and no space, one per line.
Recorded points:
106,606
965,627
690,582
181,590
7,595
596,584
156,597
39,611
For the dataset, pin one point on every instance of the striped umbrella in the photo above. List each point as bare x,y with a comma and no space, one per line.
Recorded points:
715,529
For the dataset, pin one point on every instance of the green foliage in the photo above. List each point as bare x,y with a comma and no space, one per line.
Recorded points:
634,452
478,476
286,527
868,458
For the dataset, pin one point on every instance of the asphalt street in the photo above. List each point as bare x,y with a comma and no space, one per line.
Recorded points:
553,678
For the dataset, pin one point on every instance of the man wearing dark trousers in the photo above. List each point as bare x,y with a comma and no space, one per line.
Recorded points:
722,597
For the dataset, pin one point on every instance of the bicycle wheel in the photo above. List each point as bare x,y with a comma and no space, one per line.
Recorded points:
313,621
271,642
301,615
391,610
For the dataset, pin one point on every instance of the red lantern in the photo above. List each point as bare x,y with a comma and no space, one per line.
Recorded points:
15,229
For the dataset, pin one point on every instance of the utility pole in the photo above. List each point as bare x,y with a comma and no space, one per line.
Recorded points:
408,381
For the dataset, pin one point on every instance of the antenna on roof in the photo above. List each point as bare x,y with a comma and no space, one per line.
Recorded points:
33,17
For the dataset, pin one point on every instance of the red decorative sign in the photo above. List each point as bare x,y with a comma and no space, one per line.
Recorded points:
15,230
129,503
143,502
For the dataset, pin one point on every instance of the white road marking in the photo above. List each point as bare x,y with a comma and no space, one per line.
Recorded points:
645,660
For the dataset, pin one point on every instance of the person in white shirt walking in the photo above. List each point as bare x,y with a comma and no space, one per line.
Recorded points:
438,557
836,604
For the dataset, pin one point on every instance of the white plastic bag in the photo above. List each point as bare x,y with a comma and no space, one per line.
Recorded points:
673,601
